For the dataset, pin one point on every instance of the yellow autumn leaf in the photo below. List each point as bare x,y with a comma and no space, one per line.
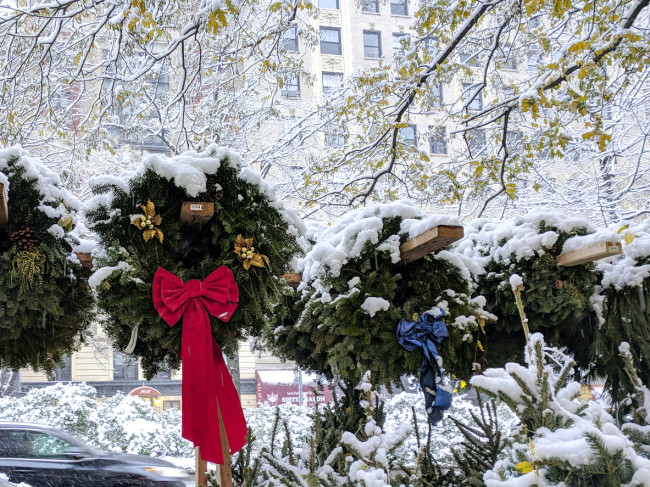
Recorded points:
148,235
524,467
480,345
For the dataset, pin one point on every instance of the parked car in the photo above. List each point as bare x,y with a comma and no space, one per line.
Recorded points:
42,456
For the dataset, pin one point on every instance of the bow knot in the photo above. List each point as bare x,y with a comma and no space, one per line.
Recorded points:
208,390
195,288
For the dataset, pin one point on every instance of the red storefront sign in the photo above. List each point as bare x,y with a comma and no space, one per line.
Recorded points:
145,392
277,387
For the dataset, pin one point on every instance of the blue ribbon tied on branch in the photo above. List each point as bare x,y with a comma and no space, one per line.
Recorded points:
425,333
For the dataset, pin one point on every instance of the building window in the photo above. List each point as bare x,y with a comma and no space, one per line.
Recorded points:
469,89
477,142
430,45
291,87
436,95
510,62
399,7
370,6
437,142
290,39
171,405
64,371
124,366
514,142
330,40
399,41
408,133
469,58
371,43
533,57
334,139
333,4
162,375
332,82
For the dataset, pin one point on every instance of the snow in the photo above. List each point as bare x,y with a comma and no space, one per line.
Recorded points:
286,377
630,269
582,241
103,273
516,281
372,305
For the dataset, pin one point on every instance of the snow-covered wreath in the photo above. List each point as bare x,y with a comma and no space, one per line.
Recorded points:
137,219
45,302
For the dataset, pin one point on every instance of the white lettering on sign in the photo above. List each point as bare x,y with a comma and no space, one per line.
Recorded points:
613,248
196,207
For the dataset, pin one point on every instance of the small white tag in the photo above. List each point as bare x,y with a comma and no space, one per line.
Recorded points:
613,248
196,207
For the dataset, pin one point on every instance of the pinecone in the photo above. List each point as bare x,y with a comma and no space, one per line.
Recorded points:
23,238
214,191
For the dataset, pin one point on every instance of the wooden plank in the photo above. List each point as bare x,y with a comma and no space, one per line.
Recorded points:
433,239
200,468
225,473
86,259
293,279
4,209
589,254
196,213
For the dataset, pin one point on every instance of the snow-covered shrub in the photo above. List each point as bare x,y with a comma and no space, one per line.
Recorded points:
561,441
342,320
556,298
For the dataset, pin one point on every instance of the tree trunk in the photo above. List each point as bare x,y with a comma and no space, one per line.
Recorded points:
8,380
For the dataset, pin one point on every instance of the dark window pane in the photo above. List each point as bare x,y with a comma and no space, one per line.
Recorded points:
291,87
408,133
469,58
371,43
477,142
398,7
398,44
370,6
468,94
64,372
334,140
171,405
290,39
332,82
330,40
437,143
124,366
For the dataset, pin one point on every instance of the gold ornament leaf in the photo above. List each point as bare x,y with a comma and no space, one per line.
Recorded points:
149,210
159,234
239,243
266,259
148,235
137,222
257,260
156,220
247,264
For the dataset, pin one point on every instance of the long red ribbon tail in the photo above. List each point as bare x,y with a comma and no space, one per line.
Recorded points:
206,380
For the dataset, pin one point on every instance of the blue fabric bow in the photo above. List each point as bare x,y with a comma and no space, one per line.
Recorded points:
425,333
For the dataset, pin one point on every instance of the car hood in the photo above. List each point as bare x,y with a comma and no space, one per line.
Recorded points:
139,459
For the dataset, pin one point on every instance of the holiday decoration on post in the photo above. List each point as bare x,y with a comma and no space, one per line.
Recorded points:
341,320
205,374
195,275
45,303
244,249
425,332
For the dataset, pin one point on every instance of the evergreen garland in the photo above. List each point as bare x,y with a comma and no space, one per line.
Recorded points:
324,327
556,298
128,263
45,301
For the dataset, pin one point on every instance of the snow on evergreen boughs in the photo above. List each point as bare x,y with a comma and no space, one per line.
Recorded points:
622,303
45,305
556,299
126,263
342,321
562,442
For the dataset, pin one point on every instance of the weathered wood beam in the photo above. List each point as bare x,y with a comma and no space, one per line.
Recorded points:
429,241
413,249
86,259
4,209
589,254
195,213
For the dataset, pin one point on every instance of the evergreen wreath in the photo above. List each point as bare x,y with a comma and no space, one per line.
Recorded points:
45,301
623,315
556,299
343,319
134,245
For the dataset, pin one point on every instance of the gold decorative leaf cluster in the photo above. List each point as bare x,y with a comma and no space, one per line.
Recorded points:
244,249
149,222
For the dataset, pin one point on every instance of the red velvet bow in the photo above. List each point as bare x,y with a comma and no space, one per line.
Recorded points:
207,384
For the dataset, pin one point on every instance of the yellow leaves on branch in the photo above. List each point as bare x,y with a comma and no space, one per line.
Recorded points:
601,138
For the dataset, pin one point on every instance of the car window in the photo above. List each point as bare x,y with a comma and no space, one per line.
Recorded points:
31,444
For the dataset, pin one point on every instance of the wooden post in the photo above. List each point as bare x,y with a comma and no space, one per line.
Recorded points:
201,466
589,254
86,259
292,279
225,473
193,213
4,209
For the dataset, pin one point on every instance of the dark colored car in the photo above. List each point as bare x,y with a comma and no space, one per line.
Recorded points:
42,456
